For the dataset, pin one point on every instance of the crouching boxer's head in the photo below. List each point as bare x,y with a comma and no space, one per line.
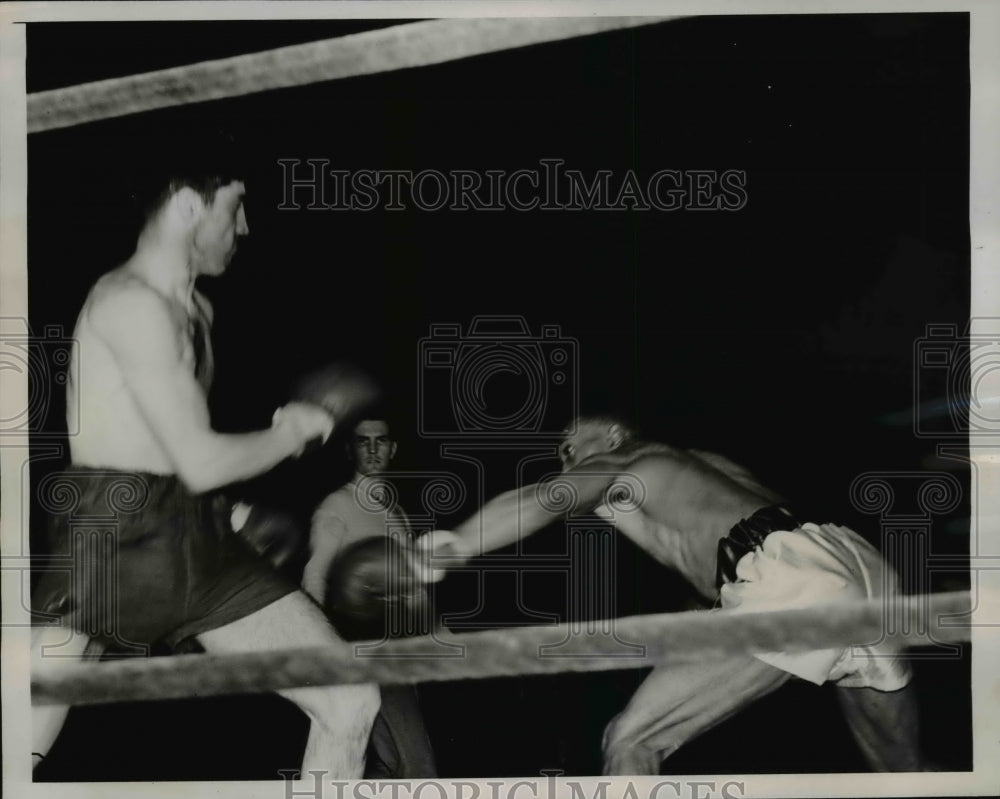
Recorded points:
587,436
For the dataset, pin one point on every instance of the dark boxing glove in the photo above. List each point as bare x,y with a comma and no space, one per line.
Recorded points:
342,389
270,533
373,591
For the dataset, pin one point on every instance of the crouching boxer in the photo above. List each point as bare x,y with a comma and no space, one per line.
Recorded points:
738,544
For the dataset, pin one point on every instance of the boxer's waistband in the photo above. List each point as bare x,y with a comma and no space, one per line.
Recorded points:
98,489
748,534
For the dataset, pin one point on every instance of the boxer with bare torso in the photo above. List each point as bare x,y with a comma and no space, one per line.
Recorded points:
711,521
177,571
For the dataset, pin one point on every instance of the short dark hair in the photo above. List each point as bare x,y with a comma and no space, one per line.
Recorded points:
374,413
203,160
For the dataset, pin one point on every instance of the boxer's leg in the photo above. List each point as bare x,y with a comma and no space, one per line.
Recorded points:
341,716
52,649
676,703
885,726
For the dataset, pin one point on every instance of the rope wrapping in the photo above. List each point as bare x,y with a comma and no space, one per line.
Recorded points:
399,47
632,642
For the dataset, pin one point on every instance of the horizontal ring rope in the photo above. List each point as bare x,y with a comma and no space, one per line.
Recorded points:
399,47
661,638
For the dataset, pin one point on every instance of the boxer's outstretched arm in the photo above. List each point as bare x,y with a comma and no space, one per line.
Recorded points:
517,514
137,326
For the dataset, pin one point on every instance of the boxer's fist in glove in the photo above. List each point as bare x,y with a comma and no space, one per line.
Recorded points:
305,424
342,389
270,533
373,591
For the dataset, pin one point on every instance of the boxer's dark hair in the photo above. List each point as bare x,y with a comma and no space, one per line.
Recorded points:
203,160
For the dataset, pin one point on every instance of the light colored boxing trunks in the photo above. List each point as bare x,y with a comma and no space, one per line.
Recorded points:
817,564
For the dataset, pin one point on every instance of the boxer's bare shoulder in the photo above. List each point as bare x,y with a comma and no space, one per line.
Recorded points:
146,332
121,305
125,330
737,473
647,460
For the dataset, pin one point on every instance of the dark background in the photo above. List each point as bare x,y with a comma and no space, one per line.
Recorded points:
782,335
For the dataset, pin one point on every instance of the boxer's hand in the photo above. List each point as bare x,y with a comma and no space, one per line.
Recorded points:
270,533
342,388
238,515
305,423
437,545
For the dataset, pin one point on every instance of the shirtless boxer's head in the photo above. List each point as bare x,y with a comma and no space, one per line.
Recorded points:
372,445
592,435
191,194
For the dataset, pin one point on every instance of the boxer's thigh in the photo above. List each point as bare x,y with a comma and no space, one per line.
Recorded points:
678,702
290,622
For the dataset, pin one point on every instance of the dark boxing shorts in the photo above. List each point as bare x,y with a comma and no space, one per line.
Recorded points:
135,559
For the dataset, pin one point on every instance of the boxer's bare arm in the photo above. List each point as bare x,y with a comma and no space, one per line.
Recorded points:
142,334
521,512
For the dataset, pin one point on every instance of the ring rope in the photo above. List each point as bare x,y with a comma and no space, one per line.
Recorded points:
631,642
398,47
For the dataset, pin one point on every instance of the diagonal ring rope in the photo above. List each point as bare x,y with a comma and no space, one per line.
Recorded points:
632,642
414,44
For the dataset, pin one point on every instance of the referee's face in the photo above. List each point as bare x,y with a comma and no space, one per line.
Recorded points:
374,448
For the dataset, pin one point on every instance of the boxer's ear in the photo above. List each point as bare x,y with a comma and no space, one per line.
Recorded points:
392,451
615,436
186,204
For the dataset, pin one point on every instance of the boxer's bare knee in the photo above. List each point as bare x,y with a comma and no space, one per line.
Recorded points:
341,716
346,711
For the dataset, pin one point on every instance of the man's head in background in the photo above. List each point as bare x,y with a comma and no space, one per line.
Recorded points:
372,445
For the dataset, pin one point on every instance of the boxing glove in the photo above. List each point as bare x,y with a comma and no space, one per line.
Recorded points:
270,533
373,591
